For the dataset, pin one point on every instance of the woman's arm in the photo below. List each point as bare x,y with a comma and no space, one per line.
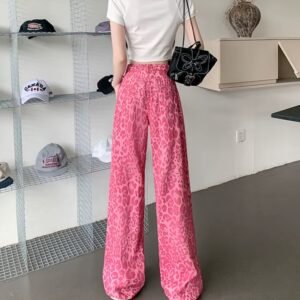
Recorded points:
119,52
189,31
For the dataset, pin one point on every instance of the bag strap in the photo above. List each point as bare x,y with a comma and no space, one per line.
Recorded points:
183,39
198,43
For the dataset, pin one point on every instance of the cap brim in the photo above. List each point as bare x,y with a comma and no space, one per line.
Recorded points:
102,31
2,179
44,98
106,157
7,182
104,91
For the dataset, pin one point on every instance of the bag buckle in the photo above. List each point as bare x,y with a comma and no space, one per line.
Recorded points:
189,78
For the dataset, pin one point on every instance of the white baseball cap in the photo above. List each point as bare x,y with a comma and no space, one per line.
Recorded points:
102,149
35,89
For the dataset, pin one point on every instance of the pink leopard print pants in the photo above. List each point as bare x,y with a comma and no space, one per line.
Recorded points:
147,97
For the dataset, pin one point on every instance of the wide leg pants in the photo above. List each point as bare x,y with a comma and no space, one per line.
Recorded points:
148,97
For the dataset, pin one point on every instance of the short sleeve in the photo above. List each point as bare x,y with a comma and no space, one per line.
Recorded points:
191,5
114,12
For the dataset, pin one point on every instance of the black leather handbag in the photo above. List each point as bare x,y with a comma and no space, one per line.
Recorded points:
190,65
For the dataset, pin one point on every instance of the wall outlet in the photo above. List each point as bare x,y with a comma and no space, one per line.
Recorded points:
240,135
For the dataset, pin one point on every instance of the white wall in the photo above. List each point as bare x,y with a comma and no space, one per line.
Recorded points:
211,118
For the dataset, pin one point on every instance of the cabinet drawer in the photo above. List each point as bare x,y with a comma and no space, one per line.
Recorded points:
246,61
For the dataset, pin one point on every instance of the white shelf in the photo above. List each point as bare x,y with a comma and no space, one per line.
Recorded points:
245,63
280,82
255,38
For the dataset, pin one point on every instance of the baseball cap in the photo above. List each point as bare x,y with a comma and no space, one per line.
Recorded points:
51,160
35,89
36,25
5,179
103,27
103,149
104,85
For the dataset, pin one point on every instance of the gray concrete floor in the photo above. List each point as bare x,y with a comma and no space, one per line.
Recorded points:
248,234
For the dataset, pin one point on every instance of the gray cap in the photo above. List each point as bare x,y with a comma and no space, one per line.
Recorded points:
103,27
51,160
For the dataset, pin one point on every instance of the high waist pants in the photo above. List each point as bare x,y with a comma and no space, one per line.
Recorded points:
147,97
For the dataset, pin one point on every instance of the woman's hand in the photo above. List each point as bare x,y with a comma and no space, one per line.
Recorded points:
116,88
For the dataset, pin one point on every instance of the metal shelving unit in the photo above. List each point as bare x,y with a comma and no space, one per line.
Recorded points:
40,252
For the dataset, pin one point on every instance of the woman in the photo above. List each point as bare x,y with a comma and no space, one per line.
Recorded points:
146,96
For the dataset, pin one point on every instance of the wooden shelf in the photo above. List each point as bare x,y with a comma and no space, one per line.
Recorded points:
245,63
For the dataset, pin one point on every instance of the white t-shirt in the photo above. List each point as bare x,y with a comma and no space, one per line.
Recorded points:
150,25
